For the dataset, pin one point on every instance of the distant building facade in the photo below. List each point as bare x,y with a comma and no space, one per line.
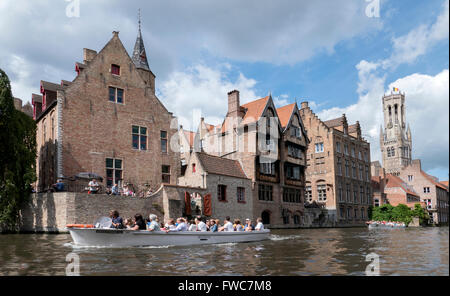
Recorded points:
395,137
337,172
27,108
107,121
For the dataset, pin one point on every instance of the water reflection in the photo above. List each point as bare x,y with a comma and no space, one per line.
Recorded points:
423,251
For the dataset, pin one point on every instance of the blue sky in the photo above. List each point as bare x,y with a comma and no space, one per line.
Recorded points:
327,52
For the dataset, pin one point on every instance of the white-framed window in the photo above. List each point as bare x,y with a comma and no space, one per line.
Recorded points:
376,202
308,193
322,192
426,189
319,147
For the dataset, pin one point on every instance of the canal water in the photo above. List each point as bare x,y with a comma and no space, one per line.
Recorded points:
412,251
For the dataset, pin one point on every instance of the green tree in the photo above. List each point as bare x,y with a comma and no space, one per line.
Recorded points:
402,213
420,213
17,156
383,213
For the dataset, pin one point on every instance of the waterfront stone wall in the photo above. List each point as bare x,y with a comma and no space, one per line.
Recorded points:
51,212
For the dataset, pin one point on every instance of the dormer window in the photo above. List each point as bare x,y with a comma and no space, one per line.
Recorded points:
115,69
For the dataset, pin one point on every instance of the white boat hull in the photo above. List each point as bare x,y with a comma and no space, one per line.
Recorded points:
382,226
137,238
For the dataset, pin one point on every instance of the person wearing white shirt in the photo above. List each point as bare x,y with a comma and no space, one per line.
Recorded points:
180,227
192,226
227,226
201,226
260,225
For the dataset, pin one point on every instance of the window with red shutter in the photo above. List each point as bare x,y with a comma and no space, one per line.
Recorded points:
115,69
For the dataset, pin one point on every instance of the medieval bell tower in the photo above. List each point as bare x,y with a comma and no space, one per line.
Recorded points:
395,138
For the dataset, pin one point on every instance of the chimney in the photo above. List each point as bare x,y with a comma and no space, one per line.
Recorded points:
88,55
234,105
304,105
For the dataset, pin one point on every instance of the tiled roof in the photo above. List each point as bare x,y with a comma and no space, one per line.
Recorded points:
429,178
254,110
284,114
334,122
445,183
221,166
353,128
394,181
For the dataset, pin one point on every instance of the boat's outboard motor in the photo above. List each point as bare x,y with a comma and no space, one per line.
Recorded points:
103,222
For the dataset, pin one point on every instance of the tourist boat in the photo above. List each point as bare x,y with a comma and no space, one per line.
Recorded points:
386,225
88,235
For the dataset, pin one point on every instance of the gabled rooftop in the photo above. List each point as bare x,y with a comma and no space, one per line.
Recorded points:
221,166
285,113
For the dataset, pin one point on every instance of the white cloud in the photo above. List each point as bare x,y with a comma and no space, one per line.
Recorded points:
408,47
282,32
202,91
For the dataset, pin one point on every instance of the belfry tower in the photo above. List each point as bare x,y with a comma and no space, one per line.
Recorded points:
395,138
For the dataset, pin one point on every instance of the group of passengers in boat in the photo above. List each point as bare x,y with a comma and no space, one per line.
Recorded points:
182,224
386,223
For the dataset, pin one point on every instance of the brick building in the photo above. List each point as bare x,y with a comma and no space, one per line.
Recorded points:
108,121
432,193
270,145
228,190
390,189
337,172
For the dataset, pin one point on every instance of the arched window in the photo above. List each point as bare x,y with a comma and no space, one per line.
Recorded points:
388,152
392,151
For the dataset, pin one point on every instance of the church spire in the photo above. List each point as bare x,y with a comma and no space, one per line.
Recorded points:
139,56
